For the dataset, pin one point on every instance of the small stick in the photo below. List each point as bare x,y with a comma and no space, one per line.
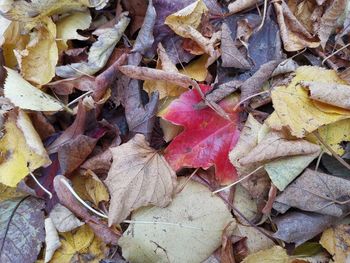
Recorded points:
81,96
264,16
40,185
187,180
249,97
335,52
238,181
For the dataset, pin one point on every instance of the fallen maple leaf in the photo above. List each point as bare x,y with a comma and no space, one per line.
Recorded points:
139,176
207,137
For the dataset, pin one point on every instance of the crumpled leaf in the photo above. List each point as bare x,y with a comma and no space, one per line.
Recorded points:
67,27
21,148
331,93
81,244
293,33
22,94
298,227
316,192
63,219
212,132
99,51
275,254
329,20
38,60
139,176
337,241
295,111
240,5
51,239
230,54
21,229
188,230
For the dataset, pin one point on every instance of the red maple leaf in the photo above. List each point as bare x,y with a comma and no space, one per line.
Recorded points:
207,137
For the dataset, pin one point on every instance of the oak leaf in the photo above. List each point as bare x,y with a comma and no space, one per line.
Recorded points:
207,137
139,176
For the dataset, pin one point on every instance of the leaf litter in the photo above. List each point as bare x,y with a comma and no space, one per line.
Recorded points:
174,131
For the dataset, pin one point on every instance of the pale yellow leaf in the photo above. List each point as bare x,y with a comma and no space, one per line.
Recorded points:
51,239
275,254
63,219
67,28
188,230
22,94
21,149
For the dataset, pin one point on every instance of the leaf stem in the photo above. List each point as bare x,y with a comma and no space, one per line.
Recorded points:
40,185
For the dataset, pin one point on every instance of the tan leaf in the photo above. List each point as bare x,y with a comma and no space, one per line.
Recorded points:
275,254
63,219
294,35
274,146
240,5
330,93
139,176
329,20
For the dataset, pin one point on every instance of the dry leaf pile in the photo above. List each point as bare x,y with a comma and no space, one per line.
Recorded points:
174,131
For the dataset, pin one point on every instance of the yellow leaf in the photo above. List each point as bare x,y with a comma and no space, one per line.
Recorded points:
22,94
275,254
82,244
294,108
189,16
21,149
38,60
197,69
7,192
337,242
67,28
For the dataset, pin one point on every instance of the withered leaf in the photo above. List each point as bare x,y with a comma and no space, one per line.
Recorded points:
21,229
139,176
316,192
63,219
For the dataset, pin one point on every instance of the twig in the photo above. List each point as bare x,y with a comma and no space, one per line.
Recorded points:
319,160
40,185
186,182
238,181
335,52
264,16
249,97
81,96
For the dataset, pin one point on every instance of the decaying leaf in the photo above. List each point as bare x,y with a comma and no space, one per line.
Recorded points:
294,109
51,239
212,132
139,176
188,230
81,243
337,241
63,219
316,192
21,229
22,94
275,254
21,149
99,51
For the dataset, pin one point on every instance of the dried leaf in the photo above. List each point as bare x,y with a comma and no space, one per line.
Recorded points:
240,5
329,20
51,239
21,229
22,94
79,244
21,148
293,108
298,227
337,241
212,131
7,193
275,254
67,27
99,52
139,176
316,192
294,35
188,230
100,163
63,219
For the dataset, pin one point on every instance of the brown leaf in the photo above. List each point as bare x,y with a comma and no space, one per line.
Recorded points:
274,146
316,192
226,245
345,75
298,227
43,127
254,84
68,200
74,152
240,5
67,86
329,20
230,54
330,93
139,176
294,35
100,163
145,73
